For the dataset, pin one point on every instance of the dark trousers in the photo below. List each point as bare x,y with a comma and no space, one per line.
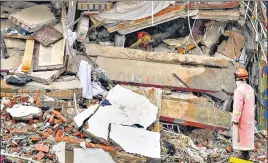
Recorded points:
245,155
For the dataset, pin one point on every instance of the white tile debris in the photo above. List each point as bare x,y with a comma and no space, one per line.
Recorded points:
59,150
92,156
19,111
127,108
136,140
85,114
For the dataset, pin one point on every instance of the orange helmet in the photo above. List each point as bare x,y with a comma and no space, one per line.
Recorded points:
141,34
241,73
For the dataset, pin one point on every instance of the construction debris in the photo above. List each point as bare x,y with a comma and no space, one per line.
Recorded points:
120,110
136,140
33,18
48,35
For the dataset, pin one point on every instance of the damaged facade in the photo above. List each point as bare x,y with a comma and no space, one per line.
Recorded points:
139,81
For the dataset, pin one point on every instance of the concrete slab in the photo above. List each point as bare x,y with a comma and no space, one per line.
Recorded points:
45,77
60,90
161,57
136,140
92,156
196,112
160,74
126,108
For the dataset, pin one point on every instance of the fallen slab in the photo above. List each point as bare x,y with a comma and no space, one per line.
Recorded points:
44,77
126,108
136,140
219,15
91,155
194,111
133,54
212,34
60,90
212,5
33,18
160,74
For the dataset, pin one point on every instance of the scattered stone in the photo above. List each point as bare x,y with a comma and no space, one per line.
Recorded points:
229,149
18,81
103,34
212,35
93,36
261,158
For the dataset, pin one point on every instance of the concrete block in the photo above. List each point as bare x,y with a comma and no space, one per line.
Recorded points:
45,77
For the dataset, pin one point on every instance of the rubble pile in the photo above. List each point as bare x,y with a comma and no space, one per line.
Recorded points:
124,82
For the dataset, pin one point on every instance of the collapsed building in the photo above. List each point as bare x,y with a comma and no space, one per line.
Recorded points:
139,81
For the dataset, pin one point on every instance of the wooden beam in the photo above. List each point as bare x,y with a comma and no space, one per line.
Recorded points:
197,77
28,56
161,57
20,37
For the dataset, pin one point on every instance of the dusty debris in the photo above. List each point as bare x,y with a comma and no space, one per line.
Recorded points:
172,58
200,77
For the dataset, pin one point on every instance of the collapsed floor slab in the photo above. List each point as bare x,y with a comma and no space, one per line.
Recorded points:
198,77
60,90
172,58
194,111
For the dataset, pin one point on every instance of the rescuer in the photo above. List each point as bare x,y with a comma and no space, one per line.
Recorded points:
243,114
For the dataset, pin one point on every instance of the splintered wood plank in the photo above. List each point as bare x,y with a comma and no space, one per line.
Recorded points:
28,56
20,37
